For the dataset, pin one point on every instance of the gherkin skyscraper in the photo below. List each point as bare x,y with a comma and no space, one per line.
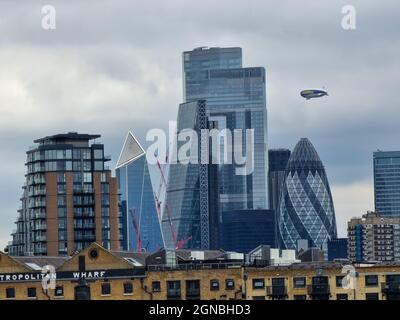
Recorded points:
306,208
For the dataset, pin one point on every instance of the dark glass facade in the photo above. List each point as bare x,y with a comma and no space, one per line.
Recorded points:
387,183
306,207
141,220
337,249
185,216
244,230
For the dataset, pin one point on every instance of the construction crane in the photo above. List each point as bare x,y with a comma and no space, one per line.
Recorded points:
163,182
137,231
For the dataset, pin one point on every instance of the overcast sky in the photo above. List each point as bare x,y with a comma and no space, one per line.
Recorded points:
111,66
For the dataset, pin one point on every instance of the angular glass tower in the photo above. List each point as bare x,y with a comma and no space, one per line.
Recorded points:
306,207
235,99
218,94
387,183
141,223
185,220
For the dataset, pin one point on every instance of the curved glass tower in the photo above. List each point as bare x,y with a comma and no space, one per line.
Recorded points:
305,206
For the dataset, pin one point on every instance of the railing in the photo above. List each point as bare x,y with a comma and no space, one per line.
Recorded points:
194,266
390,287
277,291
173,294
318,289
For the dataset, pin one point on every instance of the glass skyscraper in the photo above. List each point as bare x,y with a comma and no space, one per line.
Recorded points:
141,222
278,159
306,207
235,99
219,94
387,183
185,211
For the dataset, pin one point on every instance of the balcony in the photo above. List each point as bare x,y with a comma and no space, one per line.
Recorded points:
391,287
277,291
318,290
85,237
40,227
173,294
83,190
84,225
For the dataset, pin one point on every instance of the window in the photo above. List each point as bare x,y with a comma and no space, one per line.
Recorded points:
372,296
10,293
258,297
229,284
174,290
214,285
371,280
192,289
98,166
156,286
105,289
258,284
299,282
128,288
59,291
299,297
341,296
31,292
98,153
339,280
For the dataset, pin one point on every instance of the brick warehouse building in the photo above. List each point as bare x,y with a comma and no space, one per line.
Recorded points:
97,273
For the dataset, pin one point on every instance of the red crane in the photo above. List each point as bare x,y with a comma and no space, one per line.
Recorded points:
177,243
137,231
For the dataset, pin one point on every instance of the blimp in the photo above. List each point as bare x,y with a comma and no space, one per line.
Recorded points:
313,93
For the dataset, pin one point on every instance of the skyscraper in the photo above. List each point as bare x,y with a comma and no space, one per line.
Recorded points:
231,98
70,199
387,183
235,99
198,62
277,159
306,207
185,220
141,222
244,230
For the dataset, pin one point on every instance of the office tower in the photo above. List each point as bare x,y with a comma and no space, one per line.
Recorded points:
277,159
70,199
244,230
198,62
373,238
387,183
142,229
306,207
277,162
235,99
337,249
185,217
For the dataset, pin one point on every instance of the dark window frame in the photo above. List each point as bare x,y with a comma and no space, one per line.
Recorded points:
296,286
371,284
212,287
104,290
8,290
62,291
156,286
31,292
255,280
128,288
228,286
